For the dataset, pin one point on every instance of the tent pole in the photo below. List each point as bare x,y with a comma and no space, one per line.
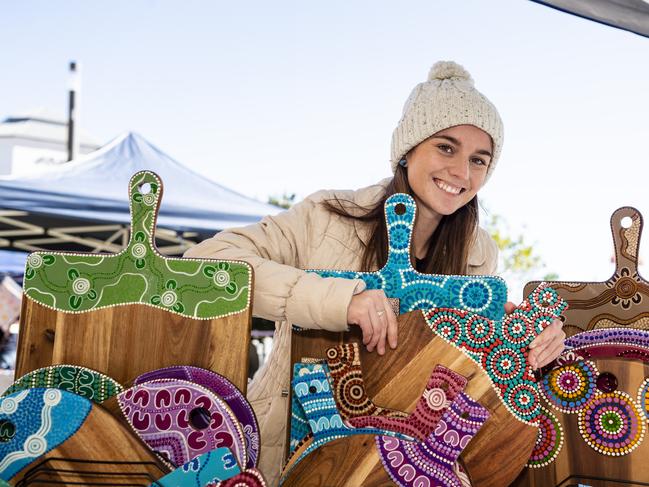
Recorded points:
73,139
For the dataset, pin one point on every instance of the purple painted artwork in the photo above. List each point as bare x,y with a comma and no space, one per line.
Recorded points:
224,389
181,420
628,336
431,462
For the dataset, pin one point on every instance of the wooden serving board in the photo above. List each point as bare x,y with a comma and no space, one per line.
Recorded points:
396,381
622,300
122,458
579,463
136,311
406,288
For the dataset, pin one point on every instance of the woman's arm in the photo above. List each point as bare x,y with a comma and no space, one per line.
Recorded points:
274,248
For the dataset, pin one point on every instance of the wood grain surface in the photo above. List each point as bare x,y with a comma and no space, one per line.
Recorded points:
396,380
126,341
579,463
102,450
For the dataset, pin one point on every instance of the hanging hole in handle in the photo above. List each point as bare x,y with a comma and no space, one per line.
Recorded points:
400,208
145,188
7,430
199,418
626,222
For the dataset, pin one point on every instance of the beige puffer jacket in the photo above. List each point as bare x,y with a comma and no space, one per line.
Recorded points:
305,237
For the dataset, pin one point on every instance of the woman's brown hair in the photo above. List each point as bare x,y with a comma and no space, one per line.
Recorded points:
448,249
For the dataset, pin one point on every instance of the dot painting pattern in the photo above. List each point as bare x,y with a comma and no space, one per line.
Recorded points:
313,391
42,419
570,387
77,282
181,420
501,347
206,469
346,381
82,381
611,424
430,463
610,421
225,390
485,295
643,398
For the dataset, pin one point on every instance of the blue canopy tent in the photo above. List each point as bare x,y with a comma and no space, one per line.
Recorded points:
83,204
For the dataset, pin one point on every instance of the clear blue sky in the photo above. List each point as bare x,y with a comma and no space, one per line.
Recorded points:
266,97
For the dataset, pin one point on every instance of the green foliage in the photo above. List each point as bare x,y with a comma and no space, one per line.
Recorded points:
286,200
518,256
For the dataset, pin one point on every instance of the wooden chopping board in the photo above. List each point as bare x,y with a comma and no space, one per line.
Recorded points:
396,381
620,301
136,311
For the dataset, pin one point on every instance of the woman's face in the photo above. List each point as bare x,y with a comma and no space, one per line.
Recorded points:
446,170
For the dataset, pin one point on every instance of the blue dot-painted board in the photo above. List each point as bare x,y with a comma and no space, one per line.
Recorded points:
313,391
34,421
206,469
52,431
484,295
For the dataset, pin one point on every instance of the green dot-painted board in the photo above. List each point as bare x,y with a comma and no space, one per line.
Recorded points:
135,311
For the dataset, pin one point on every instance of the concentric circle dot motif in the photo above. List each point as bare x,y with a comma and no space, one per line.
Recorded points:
475,295
436,399
524,399
221,278
168,298
506,364
611,424
138,250
148,199
80,286
643,397
400,236
35,261
548,442
570,387
547,299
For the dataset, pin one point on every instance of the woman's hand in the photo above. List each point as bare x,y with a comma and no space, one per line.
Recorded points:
371,311
548,345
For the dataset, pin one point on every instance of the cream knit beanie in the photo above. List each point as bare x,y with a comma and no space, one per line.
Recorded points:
447,99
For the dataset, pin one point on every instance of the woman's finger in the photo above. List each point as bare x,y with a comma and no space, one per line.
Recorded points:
547,335
383,323
366,328
375,321
550,353
393,325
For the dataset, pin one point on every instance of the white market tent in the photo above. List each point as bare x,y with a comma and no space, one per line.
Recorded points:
83,204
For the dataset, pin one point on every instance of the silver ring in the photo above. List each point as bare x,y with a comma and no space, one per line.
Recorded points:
380,313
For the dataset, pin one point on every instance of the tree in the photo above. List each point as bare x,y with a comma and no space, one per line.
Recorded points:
285,201
518,260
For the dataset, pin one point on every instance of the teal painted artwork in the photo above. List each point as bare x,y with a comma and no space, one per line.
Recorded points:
82,381
196,288
33,422
209,468
312,389
485,295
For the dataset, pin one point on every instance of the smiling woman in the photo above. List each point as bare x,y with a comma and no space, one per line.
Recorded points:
444,149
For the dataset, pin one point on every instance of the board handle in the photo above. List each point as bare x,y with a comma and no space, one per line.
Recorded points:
626,225
145,194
